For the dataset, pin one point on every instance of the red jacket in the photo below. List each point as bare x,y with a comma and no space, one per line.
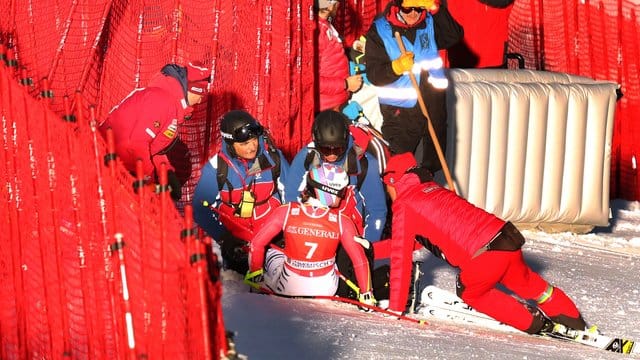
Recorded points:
146,122
333,67
455,226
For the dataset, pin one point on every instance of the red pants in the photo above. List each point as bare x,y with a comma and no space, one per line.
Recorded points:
480,276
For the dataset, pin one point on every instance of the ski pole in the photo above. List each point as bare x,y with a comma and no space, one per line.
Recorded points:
425,112
372,307
349,283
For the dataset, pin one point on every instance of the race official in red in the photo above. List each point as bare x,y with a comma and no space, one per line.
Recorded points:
486,250
145,124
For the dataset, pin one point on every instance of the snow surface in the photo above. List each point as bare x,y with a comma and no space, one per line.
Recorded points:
600,271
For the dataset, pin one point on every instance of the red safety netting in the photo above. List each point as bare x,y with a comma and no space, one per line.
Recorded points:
105,49
67,286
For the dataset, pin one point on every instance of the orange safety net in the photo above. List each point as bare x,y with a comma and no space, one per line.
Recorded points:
90,270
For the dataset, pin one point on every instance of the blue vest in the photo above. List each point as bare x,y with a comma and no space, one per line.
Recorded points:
401,93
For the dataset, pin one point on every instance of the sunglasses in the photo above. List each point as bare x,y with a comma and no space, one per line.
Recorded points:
331,150
244,133
408,10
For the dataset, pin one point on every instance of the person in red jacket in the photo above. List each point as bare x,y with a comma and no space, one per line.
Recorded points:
313,229
145,124
335,83
486,249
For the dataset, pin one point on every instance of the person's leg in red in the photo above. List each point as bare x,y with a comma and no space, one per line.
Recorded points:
477,288
529,285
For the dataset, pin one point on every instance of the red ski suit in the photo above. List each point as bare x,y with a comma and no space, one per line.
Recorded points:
311,237
146,122
485,250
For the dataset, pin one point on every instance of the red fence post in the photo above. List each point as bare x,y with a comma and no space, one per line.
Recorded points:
197,259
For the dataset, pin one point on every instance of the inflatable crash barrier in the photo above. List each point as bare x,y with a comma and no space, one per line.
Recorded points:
532,147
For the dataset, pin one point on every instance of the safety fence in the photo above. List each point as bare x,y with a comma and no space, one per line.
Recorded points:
261,54
90,269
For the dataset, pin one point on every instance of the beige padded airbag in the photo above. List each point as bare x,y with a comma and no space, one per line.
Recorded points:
532,147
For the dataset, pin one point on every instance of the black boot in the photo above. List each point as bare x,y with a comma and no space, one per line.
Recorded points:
540,324
573,323
380,282
234,253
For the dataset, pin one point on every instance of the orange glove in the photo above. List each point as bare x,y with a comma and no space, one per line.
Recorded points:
402,63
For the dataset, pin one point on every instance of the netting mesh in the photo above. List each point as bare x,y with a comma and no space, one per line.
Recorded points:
64,290
61,289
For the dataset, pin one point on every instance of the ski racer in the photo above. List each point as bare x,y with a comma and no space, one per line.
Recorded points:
239,187
486,250
313,228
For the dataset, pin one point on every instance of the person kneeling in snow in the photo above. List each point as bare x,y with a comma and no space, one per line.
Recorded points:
313,229
486,249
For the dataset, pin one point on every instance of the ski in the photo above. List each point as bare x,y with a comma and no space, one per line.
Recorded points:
442,304
594,339
445,305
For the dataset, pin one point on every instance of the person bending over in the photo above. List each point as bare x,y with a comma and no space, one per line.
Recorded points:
486,250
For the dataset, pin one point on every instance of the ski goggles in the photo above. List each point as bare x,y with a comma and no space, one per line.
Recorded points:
408,10
331,150
244,133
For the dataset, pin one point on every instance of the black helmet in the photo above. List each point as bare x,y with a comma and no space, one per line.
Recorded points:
239,126
330,129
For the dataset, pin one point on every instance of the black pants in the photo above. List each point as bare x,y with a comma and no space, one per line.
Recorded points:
404,128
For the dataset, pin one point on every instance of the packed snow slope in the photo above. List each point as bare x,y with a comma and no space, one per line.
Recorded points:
599,270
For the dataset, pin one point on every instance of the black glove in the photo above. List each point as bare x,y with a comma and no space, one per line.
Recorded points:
180,159
175,186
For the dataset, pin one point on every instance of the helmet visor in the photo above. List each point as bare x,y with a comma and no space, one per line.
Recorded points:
244,133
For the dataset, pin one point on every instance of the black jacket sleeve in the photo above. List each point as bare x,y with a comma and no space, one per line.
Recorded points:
379,70
447,30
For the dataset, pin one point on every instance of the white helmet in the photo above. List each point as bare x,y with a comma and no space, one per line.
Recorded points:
328,183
